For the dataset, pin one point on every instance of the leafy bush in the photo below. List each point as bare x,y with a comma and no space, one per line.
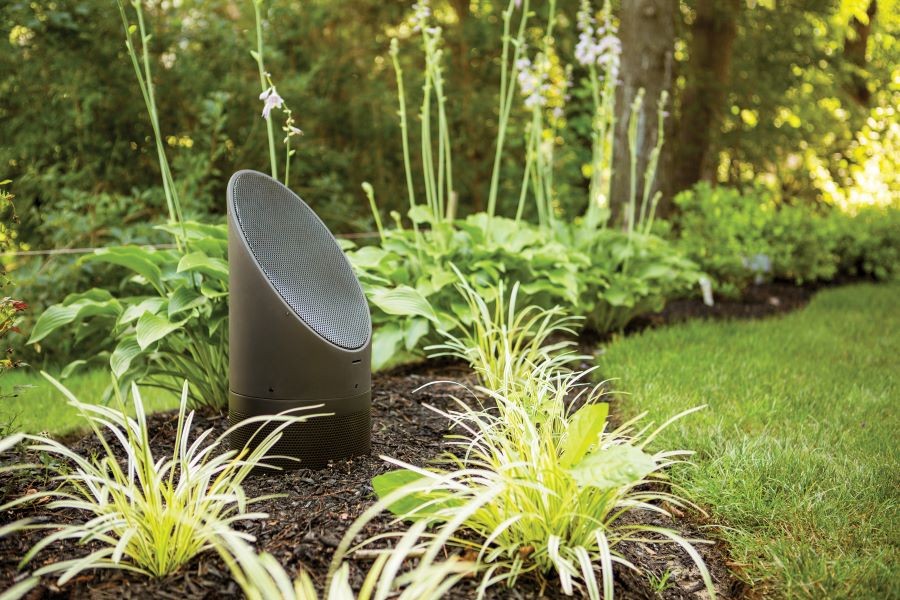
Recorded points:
802,244
171,321
410,281
629,275
723,231
152,514
867,244
744,238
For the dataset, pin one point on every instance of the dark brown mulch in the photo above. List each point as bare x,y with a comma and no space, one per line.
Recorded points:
306,524
757,302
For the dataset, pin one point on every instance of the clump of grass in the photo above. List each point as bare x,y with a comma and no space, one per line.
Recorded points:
537,481
541,495
261,577
504,343
153,514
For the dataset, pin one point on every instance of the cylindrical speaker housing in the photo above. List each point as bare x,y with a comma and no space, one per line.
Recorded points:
299,326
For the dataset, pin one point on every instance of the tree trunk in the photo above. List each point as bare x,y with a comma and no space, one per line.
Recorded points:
647,32
707,77
855,53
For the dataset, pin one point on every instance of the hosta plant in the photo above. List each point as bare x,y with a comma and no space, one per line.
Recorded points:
631,275
169,320
410,281
149,513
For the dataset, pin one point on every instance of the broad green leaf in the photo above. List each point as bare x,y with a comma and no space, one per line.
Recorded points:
415,330
134,311
211,291
389,482
151,328
420,214
367,258
584,431
616,466
200,262
125,352
402,300
74,308
385,343
185,298
142,261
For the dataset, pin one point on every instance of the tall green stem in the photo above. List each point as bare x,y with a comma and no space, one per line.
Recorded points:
263,84
507,90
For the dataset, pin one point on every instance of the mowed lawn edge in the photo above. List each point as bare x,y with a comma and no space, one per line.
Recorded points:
797,458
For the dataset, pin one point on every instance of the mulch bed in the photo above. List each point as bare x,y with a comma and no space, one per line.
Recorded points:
306,524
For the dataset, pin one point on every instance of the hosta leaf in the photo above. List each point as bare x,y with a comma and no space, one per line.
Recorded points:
385,343
616,466
142,261
391,481
211,291
584,430
367,258
152,328
74,308
134,311
202,263
185,298
420,214
71,368
415,330
125,352
402,300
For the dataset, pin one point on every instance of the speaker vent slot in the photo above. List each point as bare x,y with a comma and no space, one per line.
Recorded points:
302,259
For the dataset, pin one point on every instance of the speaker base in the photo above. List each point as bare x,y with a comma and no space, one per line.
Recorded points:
309,445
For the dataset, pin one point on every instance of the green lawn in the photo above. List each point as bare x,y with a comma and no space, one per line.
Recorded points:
41,407
797,453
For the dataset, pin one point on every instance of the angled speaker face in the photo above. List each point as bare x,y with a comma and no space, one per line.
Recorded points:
299,325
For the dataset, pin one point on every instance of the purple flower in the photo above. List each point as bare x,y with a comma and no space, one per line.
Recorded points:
271,100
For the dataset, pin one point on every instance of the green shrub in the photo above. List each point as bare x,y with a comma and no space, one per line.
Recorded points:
628,275
410,280
802,244
868,244
170,320
722,231
741,238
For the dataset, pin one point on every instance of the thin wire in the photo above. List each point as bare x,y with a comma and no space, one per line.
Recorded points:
61,251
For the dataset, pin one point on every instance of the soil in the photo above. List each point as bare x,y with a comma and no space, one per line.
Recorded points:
757,302
306,523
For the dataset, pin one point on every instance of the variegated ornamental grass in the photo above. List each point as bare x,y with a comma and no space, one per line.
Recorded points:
145,513
532,485
261,577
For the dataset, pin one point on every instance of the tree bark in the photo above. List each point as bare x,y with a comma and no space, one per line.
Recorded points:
707,77
855,53
647,32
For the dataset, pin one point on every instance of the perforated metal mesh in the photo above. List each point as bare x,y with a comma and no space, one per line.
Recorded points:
314,443
301,258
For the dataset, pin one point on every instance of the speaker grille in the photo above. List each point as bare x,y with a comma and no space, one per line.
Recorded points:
314,442
301,258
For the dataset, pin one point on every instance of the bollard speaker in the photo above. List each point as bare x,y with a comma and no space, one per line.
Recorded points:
299,326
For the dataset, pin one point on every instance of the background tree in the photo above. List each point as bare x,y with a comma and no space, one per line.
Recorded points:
647,31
